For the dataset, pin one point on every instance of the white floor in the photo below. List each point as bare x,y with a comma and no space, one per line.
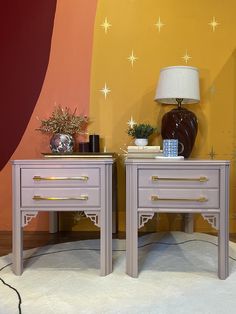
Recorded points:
173,278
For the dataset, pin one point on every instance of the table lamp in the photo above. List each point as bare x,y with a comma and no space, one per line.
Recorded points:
179,85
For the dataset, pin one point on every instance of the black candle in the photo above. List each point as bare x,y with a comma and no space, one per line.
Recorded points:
84,147
94,143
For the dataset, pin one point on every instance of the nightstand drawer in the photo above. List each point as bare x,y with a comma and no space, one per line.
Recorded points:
60,177
178,178
178,198
69,197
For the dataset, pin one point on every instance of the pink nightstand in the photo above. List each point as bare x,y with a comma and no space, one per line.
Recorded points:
183,186
63,184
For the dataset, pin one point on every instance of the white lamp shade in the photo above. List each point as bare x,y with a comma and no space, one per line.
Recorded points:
178,82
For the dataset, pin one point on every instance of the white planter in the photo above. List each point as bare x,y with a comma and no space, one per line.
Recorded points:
141,141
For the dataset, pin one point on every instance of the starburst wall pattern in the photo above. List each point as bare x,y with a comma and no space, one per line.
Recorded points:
134,39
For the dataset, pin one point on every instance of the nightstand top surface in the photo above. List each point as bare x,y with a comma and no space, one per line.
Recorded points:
175,162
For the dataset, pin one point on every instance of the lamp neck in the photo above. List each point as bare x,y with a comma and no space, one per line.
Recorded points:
179,101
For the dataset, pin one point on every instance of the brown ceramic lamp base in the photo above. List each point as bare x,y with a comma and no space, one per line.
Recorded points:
180,124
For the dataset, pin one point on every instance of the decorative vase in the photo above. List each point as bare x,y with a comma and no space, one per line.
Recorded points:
62,143
141,141
180,124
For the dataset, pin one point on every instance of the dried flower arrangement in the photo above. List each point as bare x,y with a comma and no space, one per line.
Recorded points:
62,120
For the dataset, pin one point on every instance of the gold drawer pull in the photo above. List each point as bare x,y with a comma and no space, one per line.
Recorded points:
45,198
200,179
199,199
39,178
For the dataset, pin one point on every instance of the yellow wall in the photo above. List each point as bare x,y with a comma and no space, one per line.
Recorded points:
132,89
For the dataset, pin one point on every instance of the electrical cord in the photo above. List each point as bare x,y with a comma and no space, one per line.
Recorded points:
16,291
94,249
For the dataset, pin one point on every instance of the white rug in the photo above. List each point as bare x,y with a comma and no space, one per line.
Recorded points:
173,278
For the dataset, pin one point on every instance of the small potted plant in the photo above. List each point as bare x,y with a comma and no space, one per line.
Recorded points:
141,132
63,125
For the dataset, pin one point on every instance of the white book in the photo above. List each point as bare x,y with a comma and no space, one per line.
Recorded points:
144,155
143,149
145,152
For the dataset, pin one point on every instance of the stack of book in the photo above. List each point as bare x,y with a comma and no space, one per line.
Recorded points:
143,151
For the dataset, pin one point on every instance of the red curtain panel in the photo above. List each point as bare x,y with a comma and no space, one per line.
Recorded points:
26,28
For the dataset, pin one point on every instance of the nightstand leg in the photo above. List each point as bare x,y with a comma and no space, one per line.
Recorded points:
223,247
131,222
17,243
188,223
106,242
132,244
53,222
106,225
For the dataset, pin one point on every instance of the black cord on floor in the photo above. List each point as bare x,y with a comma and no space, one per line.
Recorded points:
88,249
122,250
17,292
5,266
